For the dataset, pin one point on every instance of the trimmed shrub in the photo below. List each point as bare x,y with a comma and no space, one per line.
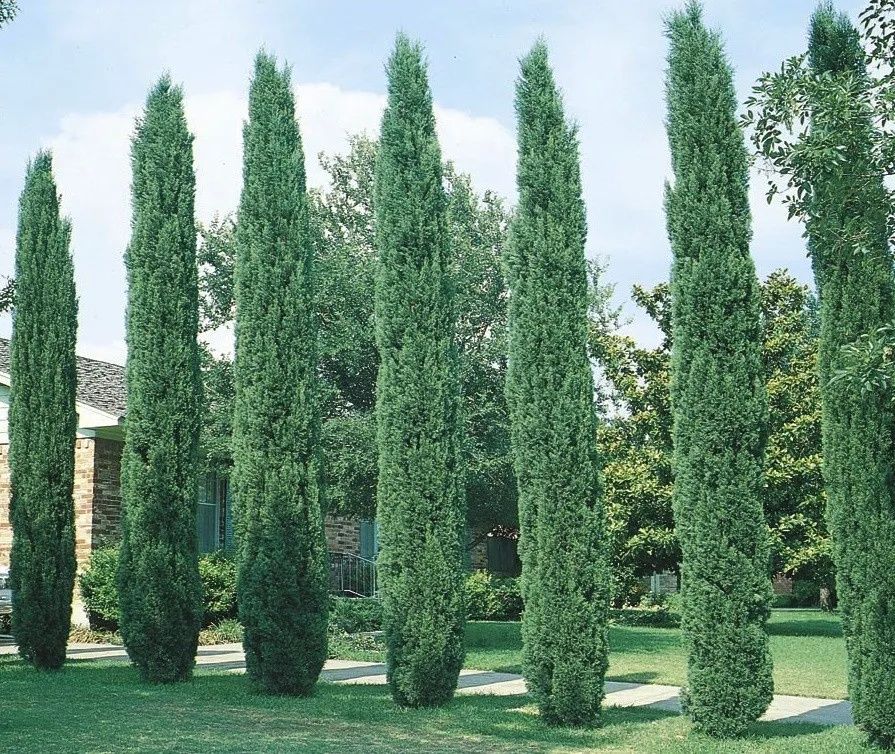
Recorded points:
354,614
490,597
99,588
659,616
218,573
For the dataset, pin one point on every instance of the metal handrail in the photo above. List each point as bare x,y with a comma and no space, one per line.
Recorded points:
352,575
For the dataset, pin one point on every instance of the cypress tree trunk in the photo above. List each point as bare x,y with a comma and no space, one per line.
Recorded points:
161,595
550,389
420,487
717,390
42,422
848,238
282,579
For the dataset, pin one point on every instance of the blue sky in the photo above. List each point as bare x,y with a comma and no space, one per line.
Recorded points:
73,74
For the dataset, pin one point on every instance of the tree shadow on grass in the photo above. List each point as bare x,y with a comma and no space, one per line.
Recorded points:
639,676
805,627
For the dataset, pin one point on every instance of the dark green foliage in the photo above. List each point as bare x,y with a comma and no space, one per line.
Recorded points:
42,423
637,445
161,597
563,546
490,597
793,494
344,217
282,582
349,444
99,588
848,234
354,614
635,441
718,399
8,10
419,425
217,570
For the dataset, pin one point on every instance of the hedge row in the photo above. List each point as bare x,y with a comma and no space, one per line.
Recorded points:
488,597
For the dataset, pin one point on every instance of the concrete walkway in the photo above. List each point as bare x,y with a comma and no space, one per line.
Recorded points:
230,658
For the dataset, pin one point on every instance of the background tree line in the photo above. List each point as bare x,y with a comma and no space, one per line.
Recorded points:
632,389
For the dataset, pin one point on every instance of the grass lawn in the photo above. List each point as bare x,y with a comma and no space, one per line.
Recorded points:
98,707
807,646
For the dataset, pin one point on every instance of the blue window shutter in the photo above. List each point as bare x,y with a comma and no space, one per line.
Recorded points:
369,538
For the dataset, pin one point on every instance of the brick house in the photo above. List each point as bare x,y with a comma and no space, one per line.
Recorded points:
101,405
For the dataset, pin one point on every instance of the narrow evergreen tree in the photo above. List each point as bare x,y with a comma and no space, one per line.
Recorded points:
420,486
848,238
550,392
718,400
43,423
282,582
161,595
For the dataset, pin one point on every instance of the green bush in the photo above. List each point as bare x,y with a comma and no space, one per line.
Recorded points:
218,573
99,588
353,615
490,597
227,631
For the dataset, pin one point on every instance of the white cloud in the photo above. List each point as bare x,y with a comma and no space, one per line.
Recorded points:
92,163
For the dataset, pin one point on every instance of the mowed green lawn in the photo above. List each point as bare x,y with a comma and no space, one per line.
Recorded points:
97,707
807,647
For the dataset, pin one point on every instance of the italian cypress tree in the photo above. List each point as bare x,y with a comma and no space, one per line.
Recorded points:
848,238
282,579
43,423
550,391
718,400
420,486
161,595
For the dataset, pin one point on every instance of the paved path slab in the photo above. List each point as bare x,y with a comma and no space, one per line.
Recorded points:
230,658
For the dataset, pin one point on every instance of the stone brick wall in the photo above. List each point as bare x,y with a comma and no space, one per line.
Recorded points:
85,479
107,492
343,534
96,496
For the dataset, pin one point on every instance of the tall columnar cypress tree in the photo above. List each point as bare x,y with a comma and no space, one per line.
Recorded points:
848,237
282,581
420,487
161,594
718,401
43,423
553,424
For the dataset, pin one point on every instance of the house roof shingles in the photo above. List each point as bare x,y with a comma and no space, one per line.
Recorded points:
101,385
